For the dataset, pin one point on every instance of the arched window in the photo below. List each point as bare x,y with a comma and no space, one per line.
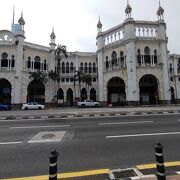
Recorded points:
94,67
29,62
12,61
114,59
147,58
107,63
37,62
67,67
81,67
63,67
170,68
139,57
71,67
155,56
85,68
90,68
122,58
45,65
4,59
178,67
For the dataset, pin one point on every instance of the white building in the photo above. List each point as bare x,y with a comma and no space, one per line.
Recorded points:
131,66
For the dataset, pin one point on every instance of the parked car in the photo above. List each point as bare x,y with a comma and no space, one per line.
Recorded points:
5,106
32,105
88,103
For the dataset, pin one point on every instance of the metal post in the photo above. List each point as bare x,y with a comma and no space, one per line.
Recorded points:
160,162
53,165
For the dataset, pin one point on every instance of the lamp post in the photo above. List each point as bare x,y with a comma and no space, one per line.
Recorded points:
59,52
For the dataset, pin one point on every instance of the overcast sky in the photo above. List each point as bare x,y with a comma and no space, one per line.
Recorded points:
75,21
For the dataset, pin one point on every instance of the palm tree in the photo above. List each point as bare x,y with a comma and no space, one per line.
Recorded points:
59,52
87,79
38,75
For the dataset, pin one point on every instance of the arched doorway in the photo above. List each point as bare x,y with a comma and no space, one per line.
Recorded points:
93,94
69,97
5,91
36,92
83,94
148,90
116,91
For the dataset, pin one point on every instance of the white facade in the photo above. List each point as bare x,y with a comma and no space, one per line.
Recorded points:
131,66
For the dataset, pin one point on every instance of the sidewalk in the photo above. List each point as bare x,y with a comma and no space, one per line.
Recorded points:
70,112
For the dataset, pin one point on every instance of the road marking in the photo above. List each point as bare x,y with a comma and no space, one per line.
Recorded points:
28,127
65,175
135,122
140,135
152,166
8,143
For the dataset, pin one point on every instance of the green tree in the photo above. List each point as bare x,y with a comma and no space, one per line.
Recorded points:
38,75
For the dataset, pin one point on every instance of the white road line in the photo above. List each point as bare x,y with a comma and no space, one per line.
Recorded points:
141,135
28,127
129,122
8,143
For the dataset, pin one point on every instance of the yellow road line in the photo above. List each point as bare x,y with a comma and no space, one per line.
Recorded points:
83,173
31,178
151,166
65,175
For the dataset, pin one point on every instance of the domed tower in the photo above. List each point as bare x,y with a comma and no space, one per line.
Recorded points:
160,13
99,26
21,21
52,37
128,10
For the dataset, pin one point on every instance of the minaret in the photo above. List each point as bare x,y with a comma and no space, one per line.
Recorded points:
100,46
160,12
128,10
132,94
162,38
52,45
19,34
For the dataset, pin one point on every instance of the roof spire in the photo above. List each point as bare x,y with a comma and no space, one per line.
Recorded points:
99,25
13,14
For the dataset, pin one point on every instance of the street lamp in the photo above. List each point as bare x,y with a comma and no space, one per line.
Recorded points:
59,52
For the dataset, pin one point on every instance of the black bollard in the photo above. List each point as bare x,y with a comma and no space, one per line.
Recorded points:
160,162
53,165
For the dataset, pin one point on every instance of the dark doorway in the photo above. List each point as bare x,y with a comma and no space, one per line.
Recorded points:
69,97
5,91
148,90
116,91
36,92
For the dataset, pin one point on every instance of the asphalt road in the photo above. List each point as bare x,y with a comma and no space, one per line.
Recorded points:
88,143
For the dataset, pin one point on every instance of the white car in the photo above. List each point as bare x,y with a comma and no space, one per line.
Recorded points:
32,105
88,103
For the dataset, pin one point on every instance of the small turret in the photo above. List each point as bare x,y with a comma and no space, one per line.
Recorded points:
128,10
21,21
99,26
160,13
52,37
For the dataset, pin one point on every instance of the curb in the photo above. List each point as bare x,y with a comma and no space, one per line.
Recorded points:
100,114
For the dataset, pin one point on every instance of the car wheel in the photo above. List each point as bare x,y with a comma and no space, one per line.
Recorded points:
83,105
39,108
26,108
96,105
